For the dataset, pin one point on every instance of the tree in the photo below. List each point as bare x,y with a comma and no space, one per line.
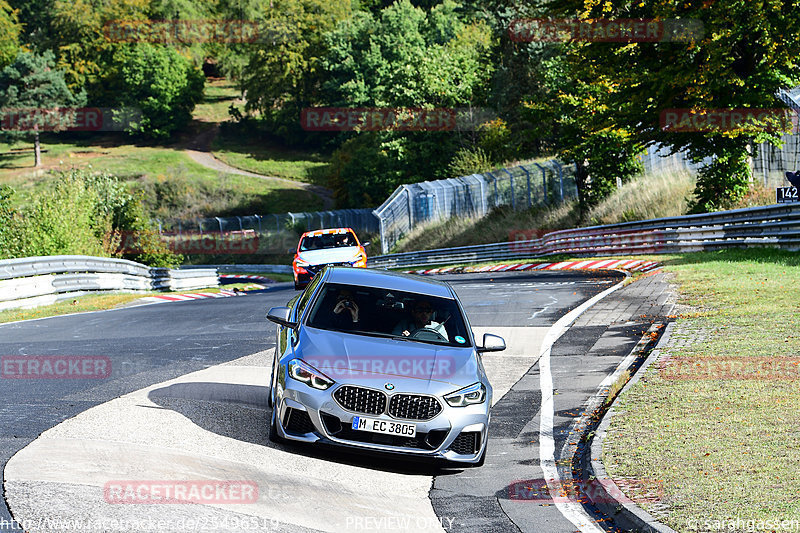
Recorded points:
404,57
34,97
744,54
283,74
159,81
9,33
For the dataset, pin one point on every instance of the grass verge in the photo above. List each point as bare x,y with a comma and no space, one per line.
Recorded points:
716,424
100,302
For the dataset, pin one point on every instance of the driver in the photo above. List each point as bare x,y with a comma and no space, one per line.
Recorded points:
420,318
345,311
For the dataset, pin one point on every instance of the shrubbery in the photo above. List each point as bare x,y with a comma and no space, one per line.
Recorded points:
84,214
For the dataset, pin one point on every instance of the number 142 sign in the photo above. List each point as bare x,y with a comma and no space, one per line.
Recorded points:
786,195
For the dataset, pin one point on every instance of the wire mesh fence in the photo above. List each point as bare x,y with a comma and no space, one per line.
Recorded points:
360,220
521,187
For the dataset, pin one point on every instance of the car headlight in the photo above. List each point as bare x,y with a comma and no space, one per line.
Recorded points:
474,394
301,263
302,371
359,258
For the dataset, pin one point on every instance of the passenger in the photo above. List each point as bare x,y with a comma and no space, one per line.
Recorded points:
420,317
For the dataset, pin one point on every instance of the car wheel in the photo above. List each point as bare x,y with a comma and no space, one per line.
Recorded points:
273,430
272,382
298,286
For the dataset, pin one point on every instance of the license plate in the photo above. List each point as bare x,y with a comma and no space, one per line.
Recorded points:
385,427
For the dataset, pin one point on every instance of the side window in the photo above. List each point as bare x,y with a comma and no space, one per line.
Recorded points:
306,296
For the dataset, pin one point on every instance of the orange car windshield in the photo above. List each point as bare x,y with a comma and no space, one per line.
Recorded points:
327,240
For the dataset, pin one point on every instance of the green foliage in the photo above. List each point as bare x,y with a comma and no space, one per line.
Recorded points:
745,53
404,57
407,57
284,71
33,85
83,214
84,45
160,82
469,161
9,33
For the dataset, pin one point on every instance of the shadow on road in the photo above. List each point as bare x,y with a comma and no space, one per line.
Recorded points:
240,412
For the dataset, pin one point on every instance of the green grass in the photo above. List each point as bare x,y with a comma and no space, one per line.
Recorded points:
271,159
175,186
722,447
218,96
109,300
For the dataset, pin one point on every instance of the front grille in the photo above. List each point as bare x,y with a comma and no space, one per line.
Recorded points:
414,407
297,421
361,400
466,443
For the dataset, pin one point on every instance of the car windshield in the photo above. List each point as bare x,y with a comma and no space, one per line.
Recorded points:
389,313
327,240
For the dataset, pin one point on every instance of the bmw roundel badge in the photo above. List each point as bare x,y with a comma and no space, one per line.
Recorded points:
389,386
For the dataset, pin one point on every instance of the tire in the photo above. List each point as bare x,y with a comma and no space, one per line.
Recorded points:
273,431
299,286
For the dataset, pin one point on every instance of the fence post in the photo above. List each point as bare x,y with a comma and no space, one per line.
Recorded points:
544,182
528,181
513,197
560,178
219,220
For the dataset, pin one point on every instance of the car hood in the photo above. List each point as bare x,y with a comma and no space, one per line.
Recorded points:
374,361
330,255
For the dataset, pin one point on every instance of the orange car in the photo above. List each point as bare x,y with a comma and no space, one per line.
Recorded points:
333,246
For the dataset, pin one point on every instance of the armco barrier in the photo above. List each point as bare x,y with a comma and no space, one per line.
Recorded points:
771,226
34,281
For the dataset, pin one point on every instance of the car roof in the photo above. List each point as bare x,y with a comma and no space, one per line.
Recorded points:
327,231
367,277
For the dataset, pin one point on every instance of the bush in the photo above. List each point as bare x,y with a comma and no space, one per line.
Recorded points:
84,214
162,83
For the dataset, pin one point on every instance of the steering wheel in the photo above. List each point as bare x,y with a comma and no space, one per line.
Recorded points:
427,334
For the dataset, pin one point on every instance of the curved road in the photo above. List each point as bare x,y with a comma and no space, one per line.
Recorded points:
185,399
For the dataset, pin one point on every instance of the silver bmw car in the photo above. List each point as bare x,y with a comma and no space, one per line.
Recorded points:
380,361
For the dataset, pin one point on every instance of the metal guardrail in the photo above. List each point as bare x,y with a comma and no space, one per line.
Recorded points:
269,269
771,226
34,281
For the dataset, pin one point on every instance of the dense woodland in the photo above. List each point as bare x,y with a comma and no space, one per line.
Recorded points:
586,101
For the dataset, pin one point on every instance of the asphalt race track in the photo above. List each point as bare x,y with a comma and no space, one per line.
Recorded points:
183,397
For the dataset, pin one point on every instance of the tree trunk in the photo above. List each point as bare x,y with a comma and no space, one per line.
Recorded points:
37,149
581,181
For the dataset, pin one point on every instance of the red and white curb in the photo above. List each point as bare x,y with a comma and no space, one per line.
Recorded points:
635,265
246,277
190,296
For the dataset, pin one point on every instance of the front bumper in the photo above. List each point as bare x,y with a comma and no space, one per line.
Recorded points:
456,434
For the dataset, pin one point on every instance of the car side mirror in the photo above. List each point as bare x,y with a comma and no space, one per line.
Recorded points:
492,343
280,315
365,244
